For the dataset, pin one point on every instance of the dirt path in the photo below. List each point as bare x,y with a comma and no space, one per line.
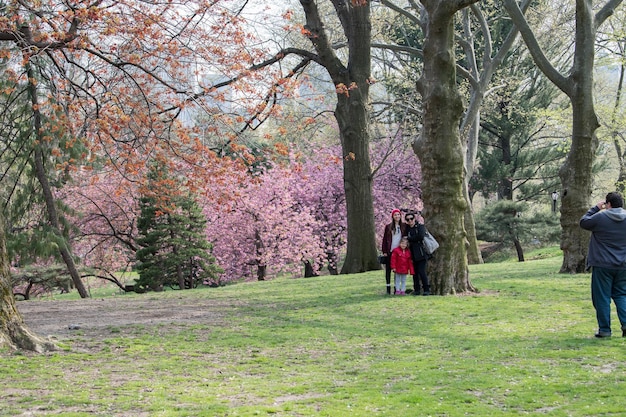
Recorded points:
95,317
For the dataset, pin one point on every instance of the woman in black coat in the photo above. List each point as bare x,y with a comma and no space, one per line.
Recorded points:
416,234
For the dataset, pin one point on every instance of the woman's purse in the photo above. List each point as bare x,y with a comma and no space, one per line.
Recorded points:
430,243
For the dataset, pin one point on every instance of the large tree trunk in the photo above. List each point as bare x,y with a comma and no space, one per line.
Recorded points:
575,173
441,151
352,116
352,87
13,332
40,173
577,186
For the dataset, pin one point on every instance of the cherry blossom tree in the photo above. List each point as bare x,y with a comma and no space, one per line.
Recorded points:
262,230
105,207
304,203
320,190
287,216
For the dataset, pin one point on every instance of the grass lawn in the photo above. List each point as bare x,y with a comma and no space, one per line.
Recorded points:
338,346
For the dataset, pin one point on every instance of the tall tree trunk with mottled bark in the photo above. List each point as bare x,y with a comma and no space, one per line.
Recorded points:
442,153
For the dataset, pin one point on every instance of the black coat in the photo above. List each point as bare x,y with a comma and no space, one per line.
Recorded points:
416,235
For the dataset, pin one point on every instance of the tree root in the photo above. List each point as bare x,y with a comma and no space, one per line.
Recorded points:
16,336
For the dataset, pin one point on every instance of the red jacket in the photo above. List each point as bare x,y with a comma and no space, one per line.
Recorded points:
402,261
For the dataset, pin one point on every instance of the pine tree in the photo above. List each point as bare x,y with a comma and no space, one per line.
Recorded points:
174,249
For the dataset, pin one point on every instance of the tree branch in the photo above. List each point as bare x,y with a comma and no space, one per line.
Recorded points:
403,12
535,49
399,48
607,10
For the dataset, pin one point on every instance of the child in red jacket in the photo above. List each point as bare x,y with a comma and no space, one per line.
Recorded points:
401,265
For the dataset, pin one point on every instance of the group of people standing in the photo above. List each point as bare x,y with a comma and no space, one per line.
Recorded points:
404,254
